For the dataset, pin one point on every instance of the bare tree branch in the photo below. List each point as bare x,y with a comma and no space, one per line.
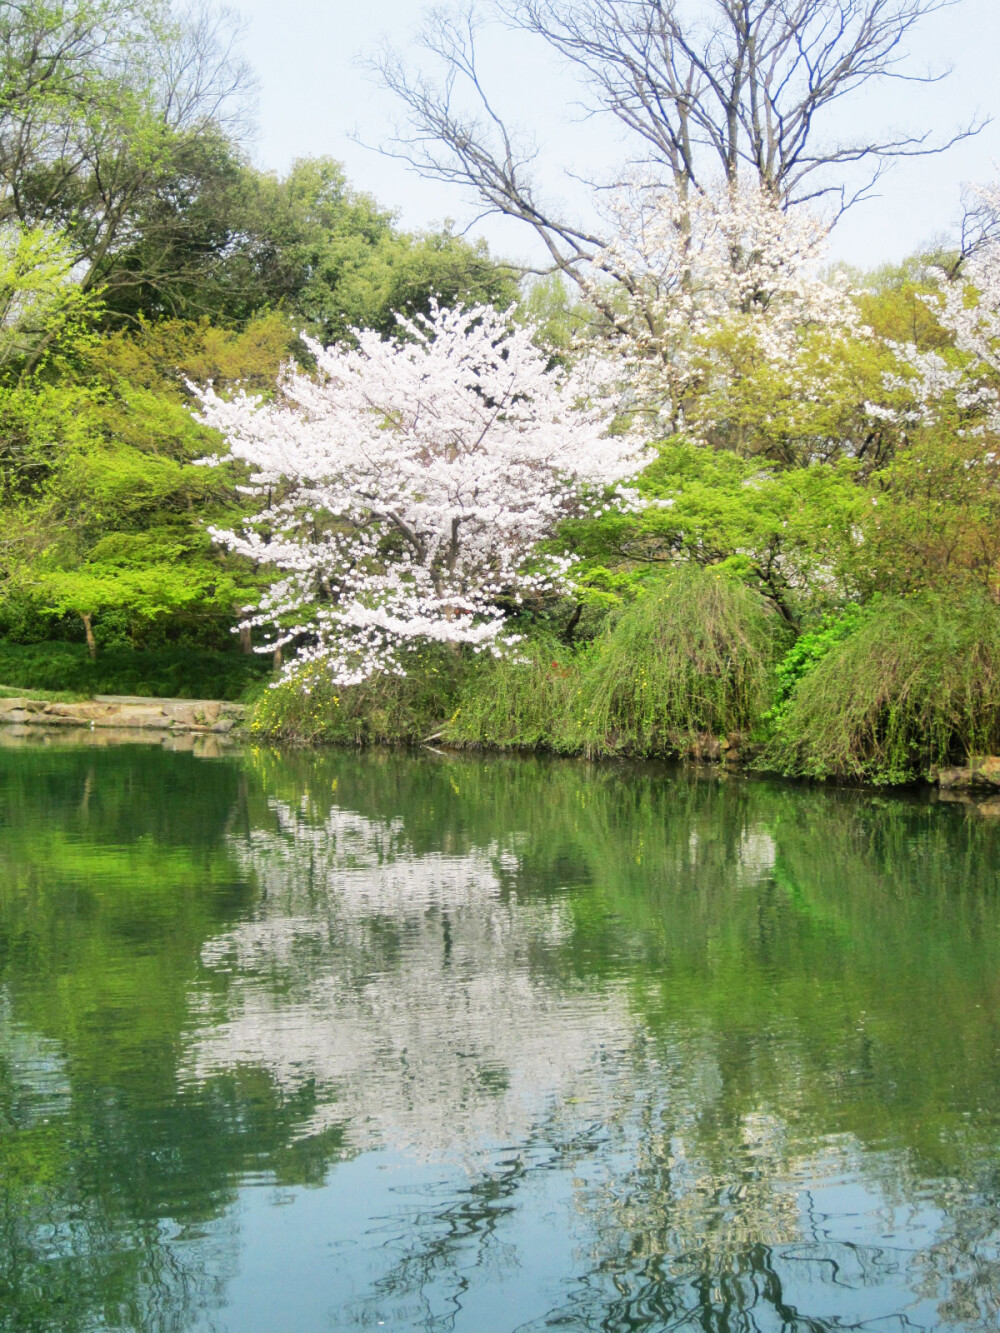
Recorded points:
477,151
735,86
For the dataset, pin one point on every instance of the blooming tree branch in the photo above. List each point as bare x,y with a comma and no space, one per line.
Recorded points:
408,482
683,267
967,305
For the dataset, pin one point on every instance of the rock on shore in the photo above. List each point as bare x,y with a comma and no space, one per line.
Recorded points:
206,716
982,771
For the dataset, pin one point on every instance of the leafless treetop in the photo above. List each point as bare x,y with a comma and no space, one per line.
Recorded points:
704,87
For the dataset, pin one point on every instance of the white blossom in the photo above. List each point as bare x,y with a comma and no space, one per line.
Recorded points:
683,268
968,307
408,481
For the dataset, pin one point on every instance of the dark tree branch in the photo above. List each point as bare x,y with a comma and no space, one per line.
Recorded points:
742,85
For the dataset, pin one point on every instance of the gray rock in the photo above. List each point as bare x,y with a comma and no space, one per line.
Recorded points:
143,719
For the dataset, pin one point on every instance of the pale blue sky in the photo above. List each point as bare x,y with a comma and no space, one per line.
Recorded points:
314,95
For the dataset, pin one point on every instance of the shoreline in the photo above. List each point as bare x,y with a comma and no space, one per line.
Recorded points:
126,713
208,727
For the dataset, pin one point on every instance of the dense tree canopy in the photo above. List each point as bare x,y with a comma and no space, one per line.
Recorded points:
427,464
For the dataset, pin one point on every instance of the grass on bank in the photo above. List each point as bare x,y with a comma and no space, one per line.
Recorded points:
880,694
915,686
527,701
48,696
691,660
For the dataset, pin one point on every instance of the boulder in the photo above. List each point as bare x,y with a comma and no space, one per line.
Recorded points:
194,714
987,770
706,748
952,777
8,706
82,713
143,719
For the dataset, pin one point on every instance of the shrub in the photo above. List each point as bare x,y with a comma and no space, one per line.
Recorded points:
809,649
692,658
181,673
916,685
384,709
520,703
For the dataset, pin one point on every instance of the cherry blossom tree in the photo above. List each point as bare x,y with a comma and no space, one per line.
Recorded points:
970,309
962,385
692,281
407,483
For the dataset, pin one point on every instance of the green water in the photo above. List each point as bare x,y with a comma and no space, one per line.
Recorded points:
335,1042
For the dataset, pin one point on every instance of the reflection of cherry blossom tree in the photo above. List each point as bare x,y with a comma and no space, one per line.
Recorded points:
429,983
409,481
425,1024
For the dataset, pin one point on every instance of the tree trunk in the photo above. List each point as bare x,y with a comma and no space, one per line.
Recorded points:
278,659
246,639
91,641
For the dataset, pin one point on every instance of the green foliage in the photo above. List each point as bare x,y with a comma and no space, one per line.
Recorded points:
809,649
789,532
106,512
527,701
914,686
807,409
689,662
933,518
385,709
177,673
39,301
332,258
692,659
561,319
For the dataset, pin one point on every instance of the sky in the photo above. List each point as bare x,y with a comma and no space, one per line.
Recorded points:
317,99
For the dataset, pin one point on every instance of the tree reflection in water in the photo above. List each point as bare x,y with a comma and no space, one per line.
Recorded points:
721,1054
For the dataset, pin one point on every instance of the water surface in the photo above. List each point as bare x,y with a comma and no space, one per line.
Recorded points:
334,1042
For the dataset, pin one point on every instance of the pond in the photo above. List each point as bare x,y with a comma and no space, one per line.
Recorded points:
335,1041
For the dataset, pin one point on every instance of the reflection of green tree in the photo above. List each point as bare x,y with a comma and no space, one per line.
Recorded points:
113,873
805,964
782,969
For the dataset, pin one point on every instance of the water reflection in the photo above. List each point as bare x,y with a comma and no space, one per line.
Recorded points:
518,1045
414,991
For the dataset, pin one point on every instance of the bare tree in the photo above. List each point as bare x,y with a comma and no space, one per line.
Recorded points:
724,86
444,142
203,77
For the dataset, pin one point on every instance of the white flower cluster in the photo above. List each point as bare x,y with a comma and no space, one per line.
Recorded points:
409,480
968,307
684,268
